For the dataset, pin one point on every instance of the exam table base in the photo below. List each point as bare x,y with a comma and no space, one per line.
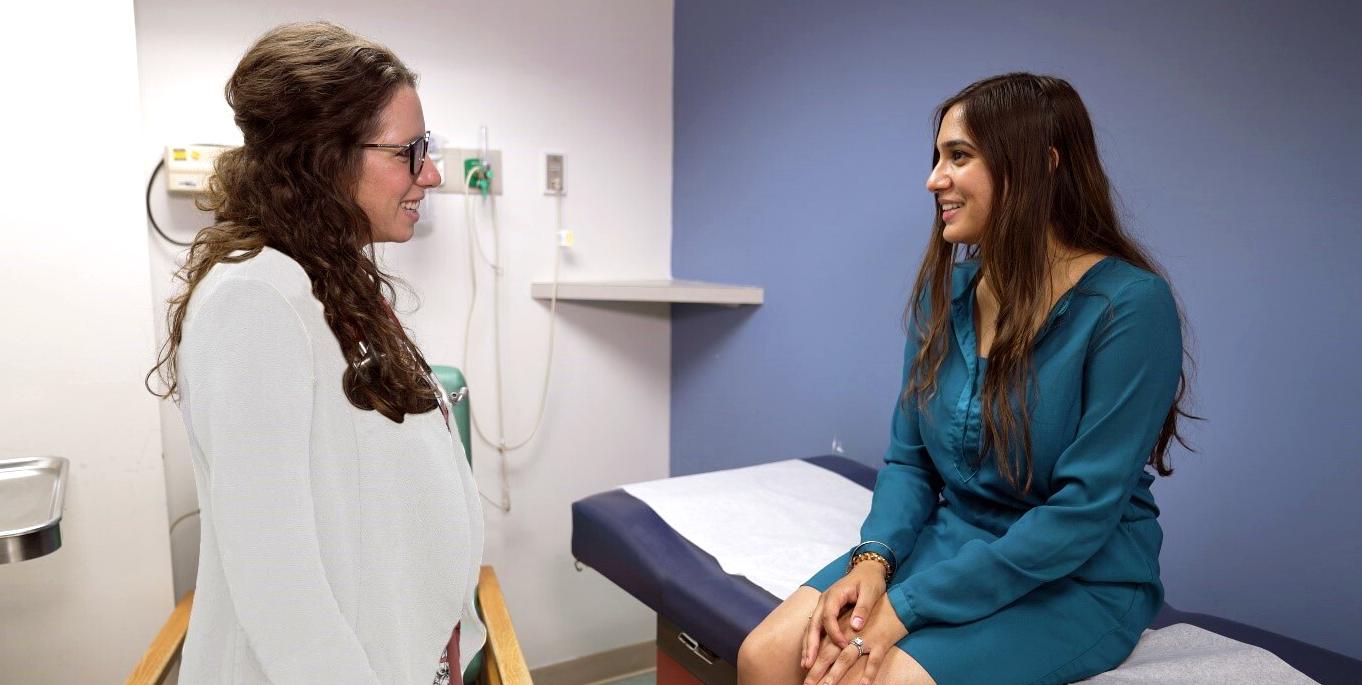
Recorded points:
683,661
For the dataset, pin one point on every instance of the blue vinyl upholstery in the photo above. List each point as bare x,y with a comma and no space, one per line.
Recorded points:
623,539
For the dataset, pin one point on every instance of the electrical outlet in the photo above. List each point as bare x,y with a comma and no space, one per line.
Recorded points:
454,161
553,174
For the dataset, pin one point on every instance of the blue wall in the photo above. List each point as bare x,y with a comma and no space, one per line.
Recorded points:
803,136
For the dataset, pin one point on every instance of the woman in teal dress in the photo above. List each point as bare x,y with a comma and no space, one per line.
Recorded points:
1053,336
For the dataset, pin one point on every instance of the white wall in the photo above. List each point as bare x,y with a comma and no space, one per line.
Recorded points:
592,79
75,341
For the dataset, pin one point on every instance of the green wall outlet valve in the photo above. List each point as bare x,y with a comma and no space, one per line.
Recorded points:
479,175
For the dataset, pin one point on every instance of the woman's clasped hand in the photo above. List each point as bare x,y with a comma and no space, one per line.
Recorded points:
852,620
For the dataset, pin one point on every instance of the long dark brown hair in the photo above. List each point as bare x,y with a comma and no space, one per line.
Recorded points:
305,96
1015,120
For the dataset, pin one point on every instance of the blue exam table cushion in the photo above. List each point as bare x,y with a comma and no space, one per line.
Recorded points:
628,543
623,539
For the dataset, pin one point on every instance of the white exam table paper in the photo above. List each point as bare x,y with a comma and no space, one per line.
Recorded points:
775,524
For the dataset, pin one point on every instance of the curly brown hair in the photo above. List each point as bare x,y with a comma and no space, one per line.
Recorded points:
305,96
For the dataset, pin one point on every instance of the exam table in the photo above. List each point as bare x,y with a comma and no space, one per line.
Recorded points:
703,613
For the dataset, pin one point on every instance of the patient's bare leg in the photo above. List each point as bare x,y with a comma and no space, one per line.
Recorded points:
770,654
897,668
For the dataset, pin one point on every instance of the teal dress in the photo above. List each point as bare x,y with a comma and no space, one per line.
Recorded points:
1055,585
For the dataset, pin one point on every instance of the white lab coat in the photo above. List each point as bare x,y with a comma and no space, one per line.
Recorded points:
337,546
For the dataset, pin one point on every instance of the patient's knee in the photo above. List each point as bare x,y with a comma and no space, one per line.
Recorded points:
749,656
759,657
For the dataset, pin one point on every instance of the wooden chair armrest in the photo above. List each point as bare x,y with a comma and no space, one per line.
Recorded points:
505,664
165,649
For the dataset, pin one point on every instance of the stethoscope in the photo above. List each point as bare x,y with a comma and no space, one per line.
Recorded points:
446,401
443,399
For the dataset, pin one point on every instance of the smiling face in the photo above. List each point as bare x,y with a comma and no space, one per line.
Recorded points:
386,190
961,181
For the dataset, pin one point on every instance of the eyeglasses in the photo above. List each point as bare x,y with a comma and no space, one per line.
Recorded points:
415,151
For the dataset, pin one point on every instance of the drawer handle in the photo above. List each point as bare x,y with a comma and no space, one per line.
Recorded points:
694,645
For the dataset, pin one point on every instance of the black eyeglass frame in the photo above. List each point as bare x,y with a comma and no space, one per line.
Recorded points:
414,162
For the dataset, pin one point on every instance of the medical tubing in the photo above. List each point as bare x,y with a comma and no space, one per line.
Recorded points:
496,338
477,240
471,222
181,519
501,444
496,352
553,319
154,226
496,326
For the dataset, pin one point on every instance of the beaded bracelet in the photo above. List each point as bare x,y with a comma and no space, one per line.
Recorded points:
886,557
871,556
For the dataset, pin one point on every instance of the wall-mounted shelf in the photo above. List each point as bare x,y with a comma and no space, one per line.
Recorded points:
694,292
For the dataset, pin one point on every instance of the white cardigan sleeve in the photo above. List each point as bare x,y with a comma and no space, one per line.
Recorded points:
250,377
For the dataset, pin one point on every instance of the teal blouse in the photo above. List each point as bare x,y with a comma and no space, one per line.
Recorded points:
1107,362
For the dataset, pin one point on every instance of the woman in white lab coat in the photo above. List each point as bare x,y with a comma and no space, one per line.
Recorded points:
341,528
